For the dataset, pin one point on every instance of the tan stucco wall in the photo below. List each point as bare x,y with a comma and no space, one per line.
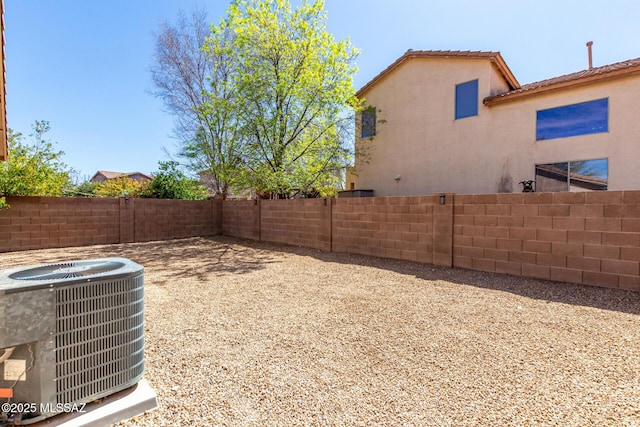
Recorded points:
4,150
489,153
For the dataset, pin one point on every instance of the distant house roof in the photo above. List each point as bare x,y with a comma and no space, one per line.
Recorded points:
588,76
106,175
4,149
494,57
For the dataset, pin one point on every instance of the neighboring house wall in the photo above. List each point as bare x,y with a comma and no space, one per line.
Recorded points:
4,150
419,140
422,142
515,133
99,178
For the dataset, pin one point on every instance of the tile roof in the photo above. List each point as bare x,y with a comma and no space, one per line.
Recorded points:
591,75
112,175
588,76
494,57
448,53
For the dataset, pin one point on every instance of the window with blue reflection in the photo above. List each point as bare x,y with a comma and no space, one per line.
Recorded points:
581,175
369,122
589,174
467,99
572,120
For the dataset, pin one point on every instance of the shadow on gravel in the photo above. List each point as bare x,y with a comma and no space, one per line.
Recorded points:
567,293
201,258
205,258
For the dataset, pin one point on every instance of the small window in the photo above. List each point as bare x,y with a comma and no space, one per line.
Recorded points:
572,120
467,99
369,122
583,175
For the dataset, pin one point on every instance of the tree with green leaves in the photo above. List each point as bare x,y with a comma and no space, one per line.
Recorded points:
122,186
265,102
169,182
86,188
34,169
295,83
196,89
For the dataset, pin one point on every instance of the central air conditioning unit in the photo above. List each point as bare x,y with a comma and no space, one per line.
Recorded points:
70,333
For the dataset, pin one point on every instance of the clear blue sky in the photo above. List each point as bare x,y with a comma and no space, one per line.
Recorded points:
83,64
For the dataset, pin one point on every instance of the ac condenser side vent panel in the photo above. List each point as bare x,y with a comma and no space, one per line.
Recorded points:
99,338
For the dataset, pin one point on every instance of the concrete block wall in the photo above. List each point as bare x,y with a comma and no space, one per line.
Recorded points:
157,219
241,218
390,227
51,222
591,238
303,222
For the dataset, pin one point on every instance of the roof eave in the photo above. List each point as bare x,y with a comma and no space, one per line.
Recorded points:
496,60
505,71
383,73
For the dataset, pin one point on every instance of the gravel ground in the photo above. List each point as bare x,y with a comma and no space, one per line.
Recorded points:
246,333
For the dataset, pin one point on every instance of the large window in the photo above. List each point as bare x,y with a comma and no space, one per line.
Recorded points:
467,99
571,120
583,175
369,122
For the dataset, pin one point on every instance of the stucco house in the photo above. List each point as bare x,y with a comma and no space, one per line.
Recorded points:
459,121
4,150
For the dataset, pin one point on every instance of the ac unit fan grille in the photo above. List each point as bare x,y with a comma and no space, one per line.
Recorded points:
99,338
67,270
